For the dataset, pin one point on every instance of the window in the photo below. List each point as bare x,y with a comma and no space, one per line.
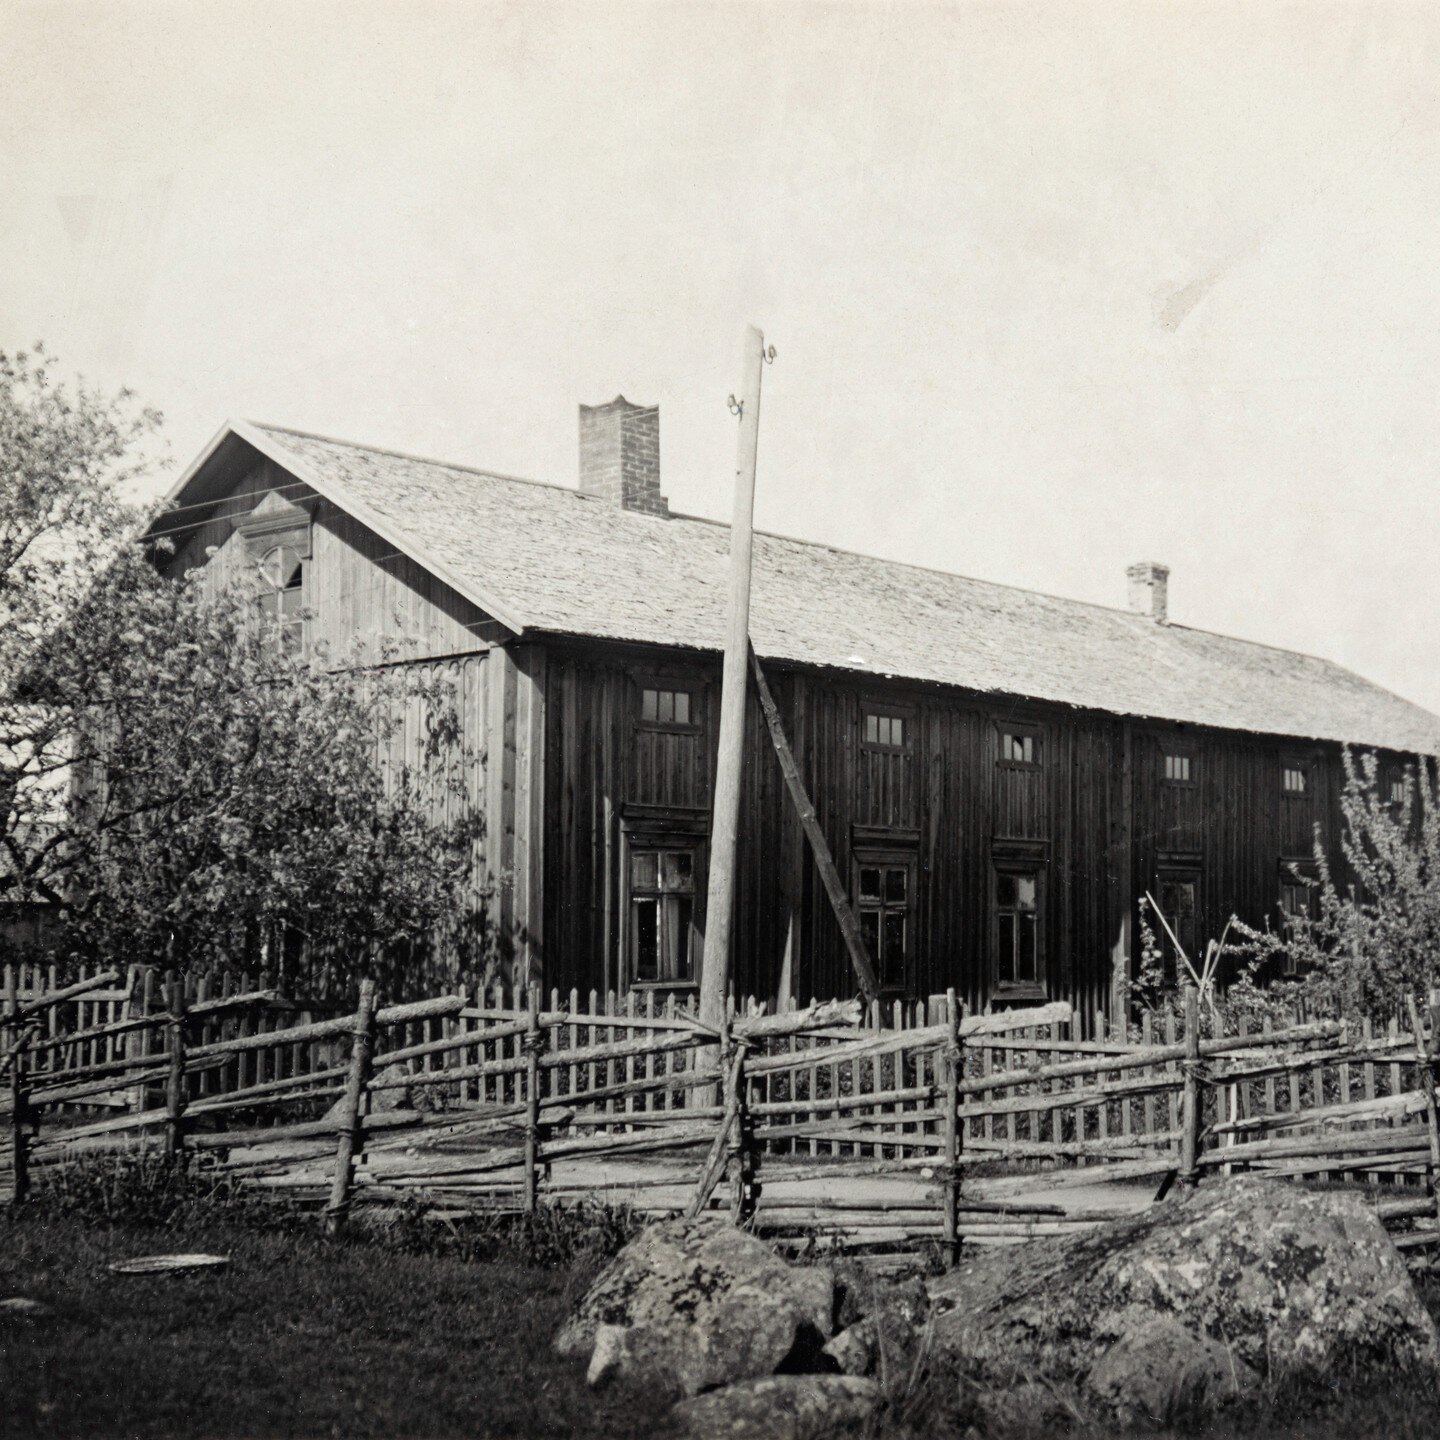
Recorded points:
667,707
1019,952
664,940
1019,747
1294,778
1177,769
883,903
282,599
1178,898
1295,903
886,732
1396,790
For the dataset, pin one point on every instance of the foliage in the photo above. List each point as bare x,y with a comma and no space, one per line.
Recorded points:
1156,992
181,788
1372,938
574,1238
139,1187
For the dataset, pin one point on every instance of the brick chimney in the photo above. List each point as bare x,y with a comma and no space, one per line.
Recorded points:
620,455
1149,590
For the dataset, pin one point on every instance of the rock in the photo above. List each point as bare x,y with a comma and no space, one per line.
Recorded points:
856,1350
884,1319
780,1407
24,1308
1163,1371
864,1292
382,1102
1283,1279
693,1304
1028,1409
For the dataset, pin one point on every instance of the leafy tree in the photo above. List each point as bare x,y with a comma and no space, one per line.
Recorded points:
1372,937
182,789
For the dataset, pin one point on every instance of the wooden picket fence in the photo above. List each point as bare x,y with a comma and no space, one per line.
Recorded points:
505,1098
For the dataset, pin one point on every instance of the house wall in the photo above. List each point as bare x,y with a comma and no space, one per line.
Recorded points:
567,779
1096,817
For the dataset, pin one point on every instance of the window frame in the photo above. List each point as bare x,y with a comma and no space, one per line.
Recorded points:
1179,874
1293,879
653,838
286,631
673,684
1393,778
1303,767
881,711
1179,752
1029,866
1021,730
888,857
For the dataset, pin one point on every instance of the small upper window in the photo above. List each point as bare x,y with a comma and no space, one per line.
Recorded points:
1019,748
1397,790
1294,779
666,707
1177,769
282,599
886,731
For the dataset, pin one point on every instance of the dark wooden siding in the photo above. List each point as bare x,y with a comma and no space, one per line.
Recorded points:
945,800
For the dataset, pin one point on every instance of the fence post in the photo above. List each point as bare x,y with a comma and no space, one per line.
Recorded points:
1190,1121
18,1037
350,1138
742,1203
954,1069
175,1081
532,1095
1426,1072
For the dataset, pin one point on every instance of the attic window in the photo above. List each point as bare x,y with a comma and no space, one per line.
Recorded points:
1019,747
884,730
1397,789
1177,770
1294,780
282,574
667,708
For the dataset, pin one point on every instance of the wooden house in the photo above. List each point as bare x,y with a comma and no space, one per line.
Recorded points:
999,774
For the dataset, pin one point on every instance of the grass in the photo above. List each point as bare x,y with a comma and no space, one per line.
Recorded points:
409,1330
298,1337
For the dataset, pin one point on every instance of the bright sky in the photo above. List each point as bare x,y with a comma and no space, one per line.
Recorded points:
1053,287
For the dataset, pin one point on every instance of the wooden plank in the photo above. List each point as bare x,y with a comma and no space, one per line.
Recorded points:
819,846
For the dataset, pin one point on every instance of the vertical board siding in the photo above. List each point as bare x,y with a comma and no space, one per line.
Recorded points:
356,586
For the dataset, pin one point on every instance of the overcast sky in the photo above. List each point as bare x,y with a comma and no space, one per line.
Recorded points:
1054,288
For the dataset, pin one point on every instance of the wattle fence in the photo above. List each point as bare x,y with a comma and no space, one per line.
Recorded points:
505,1099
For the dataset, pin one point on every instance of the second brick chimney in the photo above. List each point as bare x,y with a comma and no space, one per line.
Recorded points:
620,455
1149,590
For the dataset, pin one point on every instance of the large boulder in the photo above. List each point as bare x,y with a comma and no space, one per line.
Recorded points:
694,1304
1194,1300
779,1407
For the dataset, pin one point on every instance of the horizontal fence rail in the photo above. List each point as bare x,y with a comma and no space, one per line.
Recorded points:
503,1098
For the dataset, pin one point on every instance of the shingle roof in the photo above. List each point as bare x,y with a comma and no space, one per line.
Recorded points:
550,559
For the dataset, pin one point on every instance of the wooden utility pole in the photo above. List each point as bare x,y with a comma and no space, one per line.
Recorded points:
720,891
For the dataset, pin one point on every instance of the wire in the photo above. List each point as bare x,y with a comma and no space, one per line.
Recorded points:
165,512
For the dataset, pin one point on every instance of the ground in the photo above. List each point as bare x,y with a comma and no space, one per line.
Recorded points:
305,1337
298,1337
